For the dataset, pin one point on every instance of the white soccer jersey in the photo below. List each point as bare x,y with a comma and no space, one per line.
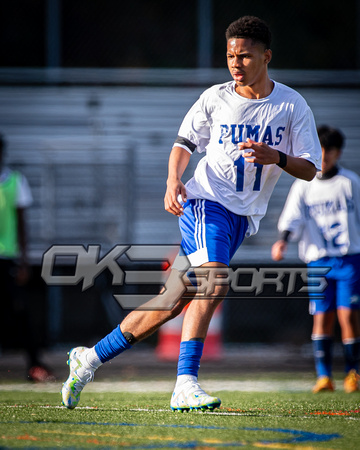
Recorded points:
220,120
324,215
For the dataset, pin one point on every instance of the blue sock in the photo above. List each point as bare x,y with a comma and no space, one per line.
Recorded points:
323,355
189,357
111,345
352,355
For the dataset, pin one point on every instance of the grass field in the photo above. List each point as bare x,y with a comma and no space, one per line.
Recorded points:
138,420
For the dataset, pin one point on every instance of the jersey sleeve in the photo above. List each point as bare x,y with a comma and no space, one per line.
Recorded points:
23,196
292,217
355,182
194,132
304,138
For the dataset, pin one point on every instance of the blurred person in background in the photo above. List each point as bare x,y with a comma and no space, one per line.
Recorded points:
15,318
324,216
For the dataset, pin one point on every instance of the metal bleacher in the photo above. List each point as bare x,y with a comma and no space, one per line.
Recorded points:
96,160
78,177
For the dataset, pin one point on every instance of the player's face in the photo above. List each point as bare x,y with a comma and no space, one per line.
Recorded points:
329,158
247,62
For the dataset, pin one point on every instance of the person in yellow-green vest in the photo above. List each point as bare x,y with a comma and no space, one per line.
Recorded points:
15,321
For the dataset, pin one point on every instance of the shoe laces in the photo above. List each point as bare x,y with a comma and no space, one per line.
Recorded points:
195,388
90,377
85,377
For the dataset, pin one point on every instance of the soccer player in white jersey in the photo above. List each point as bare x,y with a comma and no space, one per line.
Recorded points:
250,129
324,216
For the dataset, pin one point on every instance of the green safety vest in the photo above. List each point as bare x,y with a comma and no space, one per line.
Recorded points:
8,216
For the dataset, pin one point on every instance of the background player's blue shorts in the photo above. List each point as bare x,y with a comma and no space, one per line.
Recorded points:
343,290
210,232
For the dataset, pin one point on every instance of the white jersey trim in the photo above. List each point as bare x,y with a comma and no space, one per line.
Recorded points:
184,147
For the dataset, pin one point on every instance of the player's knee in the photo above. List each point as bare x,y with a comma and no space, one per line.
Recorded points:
177,308
219,292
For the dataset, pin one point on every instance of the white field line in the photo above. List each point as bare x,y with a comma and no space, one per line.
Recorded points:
213,413
167,386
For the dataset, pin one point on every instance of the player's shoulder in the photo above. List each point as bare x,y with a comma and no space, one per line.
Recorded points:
211,97
288,94
18,176
350,174
285,89
299,187
218,89
7,173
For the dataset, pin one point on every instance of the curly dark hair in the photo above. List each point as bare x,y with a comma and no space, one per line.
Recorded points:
250,27
330,137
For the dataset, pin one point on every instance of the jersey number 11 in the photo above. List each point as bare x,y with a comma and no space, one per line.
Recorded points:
239,163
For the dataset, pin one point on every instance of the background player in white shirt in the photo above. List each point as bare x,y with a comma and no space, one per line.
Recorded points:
324,216
250,129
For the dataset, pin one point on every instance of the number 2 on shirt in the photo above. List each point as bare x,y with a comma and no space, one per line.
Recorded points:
239,163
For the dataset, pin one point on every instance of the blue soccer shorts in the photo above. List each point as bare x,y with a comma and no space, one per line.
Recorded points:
343,289
210,232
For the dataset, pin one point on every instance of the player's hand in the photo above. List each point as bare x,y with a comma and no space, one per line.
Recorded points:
278,250
258,152
175,188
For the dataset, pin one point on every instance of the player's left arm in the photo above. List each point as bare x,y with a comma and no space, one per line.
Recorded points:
261,153
299,167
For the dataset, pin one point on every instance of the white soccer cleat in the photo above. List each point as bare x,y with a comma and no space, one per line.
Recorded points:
78,378
189,396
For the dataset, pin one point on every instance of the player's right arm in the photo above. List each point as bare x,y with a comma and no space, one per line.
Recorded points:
178,161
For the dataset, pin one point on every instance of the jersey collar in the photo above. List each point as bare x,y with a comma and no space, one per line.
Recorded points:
332,172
